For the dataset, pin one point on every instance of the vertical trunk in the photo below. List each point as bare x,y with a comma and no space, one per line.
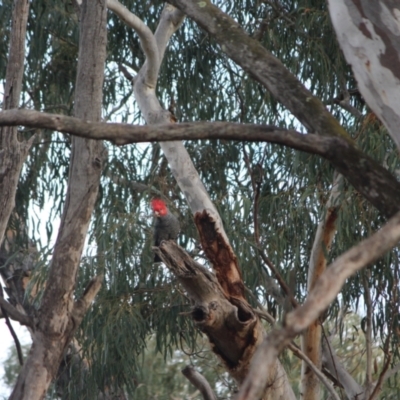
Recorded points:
12,152
311,339
56,321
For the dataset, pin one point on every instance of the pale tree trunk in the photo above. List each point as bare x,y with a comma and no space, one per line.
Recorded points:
311,338
213,238
13,152
58,316
368,33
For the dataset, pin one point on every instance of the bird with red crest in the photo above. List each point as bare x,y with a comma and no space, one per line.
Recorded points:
166,225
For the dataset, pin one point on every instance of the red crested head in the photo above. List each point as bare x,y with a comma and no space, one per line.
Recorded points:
159,207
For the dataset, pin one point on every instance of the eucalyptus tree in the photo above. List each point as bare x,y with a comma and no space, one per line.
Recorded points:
283,180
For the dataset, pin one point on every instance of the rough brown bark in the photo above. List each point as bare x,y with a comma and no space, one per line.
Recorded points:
13,152
58,315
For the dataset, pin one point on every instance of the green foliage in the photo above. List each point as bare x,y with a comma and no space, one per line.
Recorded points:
136,321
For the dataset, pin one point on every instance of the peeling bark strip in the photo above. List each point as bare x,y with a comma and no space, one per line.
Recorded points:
311,338
58,315
219,252
368,33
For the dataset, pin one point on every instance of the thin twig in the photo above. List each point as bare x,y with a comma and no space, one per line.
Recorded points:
328,346
200,382
379,383
388,355
296,351
11,329
14,314
256,188
368,335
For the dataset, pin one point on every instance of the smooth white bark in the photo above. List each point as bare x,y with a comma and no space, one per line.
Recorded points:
369,35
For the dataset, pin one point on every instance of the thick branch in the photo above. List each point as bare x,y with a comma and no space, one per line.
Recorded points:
373,181
146,36
287,89
199,382
325,290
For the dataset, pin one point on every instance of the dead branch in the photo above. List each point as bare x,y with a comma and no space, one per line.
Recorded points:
232,327
220,253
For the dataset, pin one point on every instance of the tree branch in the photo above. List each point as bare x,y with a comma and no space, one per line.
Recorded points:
82,305
200,382
311,338
146,36
11,329
371,48
379,186
368,334
297,352
13,152
325,290
338,372
388,358
15,314
391,372
265,68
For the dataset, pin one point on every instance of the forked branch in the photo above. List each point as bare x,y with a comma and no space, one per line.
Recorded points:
325,290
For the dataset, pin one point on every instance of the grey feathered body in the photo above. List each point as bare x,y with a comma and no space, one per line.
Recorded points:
165,228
